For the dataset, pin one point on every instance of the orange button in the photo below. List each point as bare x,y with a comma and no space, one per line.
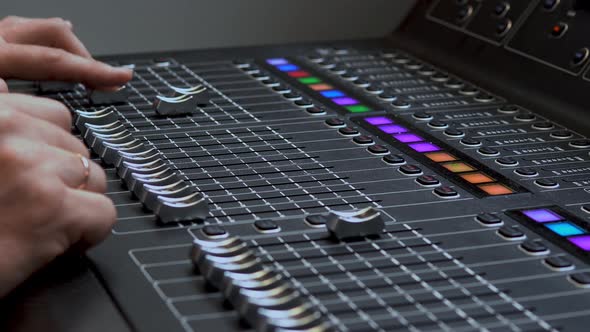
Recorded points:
496,189
321,87
458,167
440,157
477,178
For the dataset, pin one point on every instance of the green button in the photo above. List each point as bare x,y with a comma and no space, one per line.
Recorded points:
358,109
310,80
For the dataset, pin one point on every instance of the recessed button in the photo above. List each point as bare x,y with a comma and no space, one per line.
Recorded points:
559,263
503,27
454,84
427,71
525,117
546,183
487,151
347,131
410,169
292,96
545,125
394,159
526,171
507,161
316,220
509,109
501,9
454,132
586,208
550,4
378,149
489,219
349,76
470,141
363,140
335,122
484,98
241,63
512,233
374,89
562,134
438,124
446,192
580,56
304,103
315,58
338,70
388,96
281,89
212,230
428,180
559,29
315,110
266,225
469,90
581,279
422,115
400,103
581,143
440,77
413,65
261,76
534,247
361,83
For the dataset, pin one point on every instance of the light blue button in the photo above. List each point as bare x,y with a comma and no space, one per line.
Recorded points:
565,229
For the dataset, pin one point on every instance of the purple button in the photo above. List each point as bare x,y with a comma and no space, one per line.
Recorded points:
542,215
378,120
345,101
424,147
408,138
277,62
392,129
582,242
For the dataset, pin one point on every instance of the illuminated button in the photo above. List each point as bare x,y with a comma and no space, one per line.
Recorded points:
287,68
501,9
212,230
477,178
547,183
526,171
401,104
321,87
542,215
495,189
424,147
345,101
458,167
469,90
335,122
372,89
358,109
393,129
545,125
277,62
525,117
562,134
438,124
534,247
503,27
428,181
363,140
394,159
440,157
565,228
511,233
507,161
422,116
347,131
582,242
487,151
470,141
315,111
410,170
509,109
378,120
559,263
378,149
332,94
454,132
310,80
266,225
550,4
489,219
446,192
299,74
580,56
316,220
559,29
581,144
408,138
581,279
388,96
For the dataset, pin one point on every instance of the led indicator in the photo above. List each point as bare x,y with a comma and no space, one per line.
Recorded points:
332,94
565,228
345,101
542,215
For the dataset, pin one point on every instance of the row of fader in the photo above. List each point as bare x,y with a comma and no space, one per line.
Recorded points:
260,295
143,169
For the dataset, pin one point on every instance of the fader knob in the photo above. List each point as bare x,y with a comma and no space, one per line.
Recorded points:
358,223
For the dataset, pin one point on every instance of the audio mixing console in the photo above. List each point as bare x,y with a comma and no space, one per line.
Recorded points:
435,180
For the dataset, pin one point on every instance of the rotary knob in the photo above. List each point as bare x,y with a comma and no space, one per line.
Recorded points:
351,224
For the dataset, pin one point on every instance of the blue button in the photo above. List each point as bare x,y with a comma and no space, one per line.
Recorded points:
332,94
565,228
288,68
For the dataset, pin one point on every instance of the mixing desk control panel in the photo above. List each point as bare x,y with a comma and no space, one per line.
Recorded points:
357,186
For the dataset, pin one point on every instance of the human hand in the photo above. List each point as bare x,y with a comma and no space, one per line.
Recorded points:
42,212
47,49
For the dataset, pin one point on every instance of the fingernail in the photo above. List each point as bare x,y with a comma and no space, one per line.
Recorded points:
70,24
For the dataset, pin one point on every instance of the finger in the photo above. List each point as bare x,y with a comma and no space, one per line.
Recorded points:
31,62
90,215
3,86
41,108
54,32
74,171
27,127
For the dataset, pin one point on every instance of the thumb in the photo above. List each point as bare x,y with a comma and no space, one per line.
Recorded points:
3,86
